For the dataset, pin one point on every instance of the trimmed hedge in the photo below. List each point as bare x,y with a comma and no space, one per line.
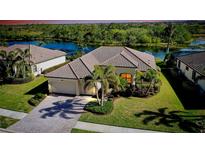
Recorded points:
34,101
94,107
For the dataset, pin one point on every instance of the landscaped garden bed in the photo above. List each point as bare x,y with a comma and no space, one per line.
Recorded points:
34,101
95,107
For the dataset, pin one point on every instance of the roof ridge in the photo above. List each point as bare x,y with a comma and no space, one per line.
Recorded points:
73,71
111,58
137,56
85,65
121,53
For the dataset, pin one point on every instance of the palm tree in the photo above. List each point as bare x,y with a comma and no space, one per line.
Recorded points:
8,63
107,77
169,31
24,62
90,82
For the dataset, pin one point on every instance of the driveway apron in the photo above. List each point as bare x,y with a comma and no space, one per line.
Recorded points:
55,114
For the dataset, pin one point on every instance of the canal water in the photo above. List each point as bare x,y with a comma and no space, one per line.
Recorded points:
196,45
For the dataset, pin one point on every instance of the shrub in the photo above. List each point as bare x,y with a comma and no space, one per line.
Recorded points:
94,107
19,80
34,101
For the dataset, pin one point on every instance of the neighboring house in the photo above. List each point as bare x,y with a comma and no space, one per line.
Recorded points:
193,67
43,58
69,79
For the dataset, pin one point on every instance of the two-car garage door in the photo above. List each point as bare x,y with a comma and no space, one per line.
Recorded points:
63,86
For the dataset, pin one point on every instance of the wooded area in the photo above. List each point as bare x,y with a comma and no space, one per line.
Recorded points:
130,34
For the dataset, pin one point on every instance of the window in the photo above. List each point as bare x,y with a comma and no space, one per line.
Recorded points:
187,68
193,75
127,76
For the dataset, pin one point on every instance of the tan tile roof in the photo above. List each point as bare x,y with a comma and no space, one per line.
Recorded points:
116,56
196,61
39,54
63,72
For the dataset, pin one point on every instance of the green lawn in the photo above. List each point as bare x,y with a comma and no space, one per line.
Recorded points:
16,96
6,122
145,113
75,130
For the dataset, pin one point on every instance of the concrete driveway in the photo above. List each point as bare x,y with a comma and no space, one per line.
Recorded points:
55,114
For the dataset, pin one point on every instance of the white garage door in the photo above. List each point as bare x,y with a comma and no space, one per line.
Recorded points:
64,86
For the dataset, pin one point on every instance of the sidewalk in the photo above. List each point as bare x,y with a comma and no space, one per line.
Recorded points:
109,129
12,114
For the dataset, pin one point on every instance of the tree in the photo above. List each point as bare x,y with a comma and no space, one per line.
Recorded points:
169,31
107,77
23,63
15,64
8,64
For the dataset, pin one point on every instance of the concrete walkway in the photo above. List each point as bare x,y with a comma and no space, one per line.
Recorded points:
108,129
12,114
55,114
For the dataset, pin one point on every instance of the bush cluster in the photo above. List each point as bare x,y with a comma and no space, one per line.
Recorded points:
19,80
94,107
34,101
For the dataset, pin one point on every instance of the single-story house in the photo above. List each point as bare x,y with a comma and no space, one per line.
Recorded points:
69,79
42,58
193,67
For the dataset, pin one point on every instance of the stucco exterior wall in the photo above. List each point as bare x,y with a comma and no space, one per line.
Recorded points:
188,74
47,64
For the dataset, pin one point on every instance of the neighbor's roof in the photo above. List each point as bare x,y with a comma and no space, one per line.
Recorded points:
39,54
196,61
116,56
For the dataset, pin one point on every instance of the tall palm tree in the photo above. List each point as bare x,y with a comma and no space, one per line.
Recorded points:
107,77
90,82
